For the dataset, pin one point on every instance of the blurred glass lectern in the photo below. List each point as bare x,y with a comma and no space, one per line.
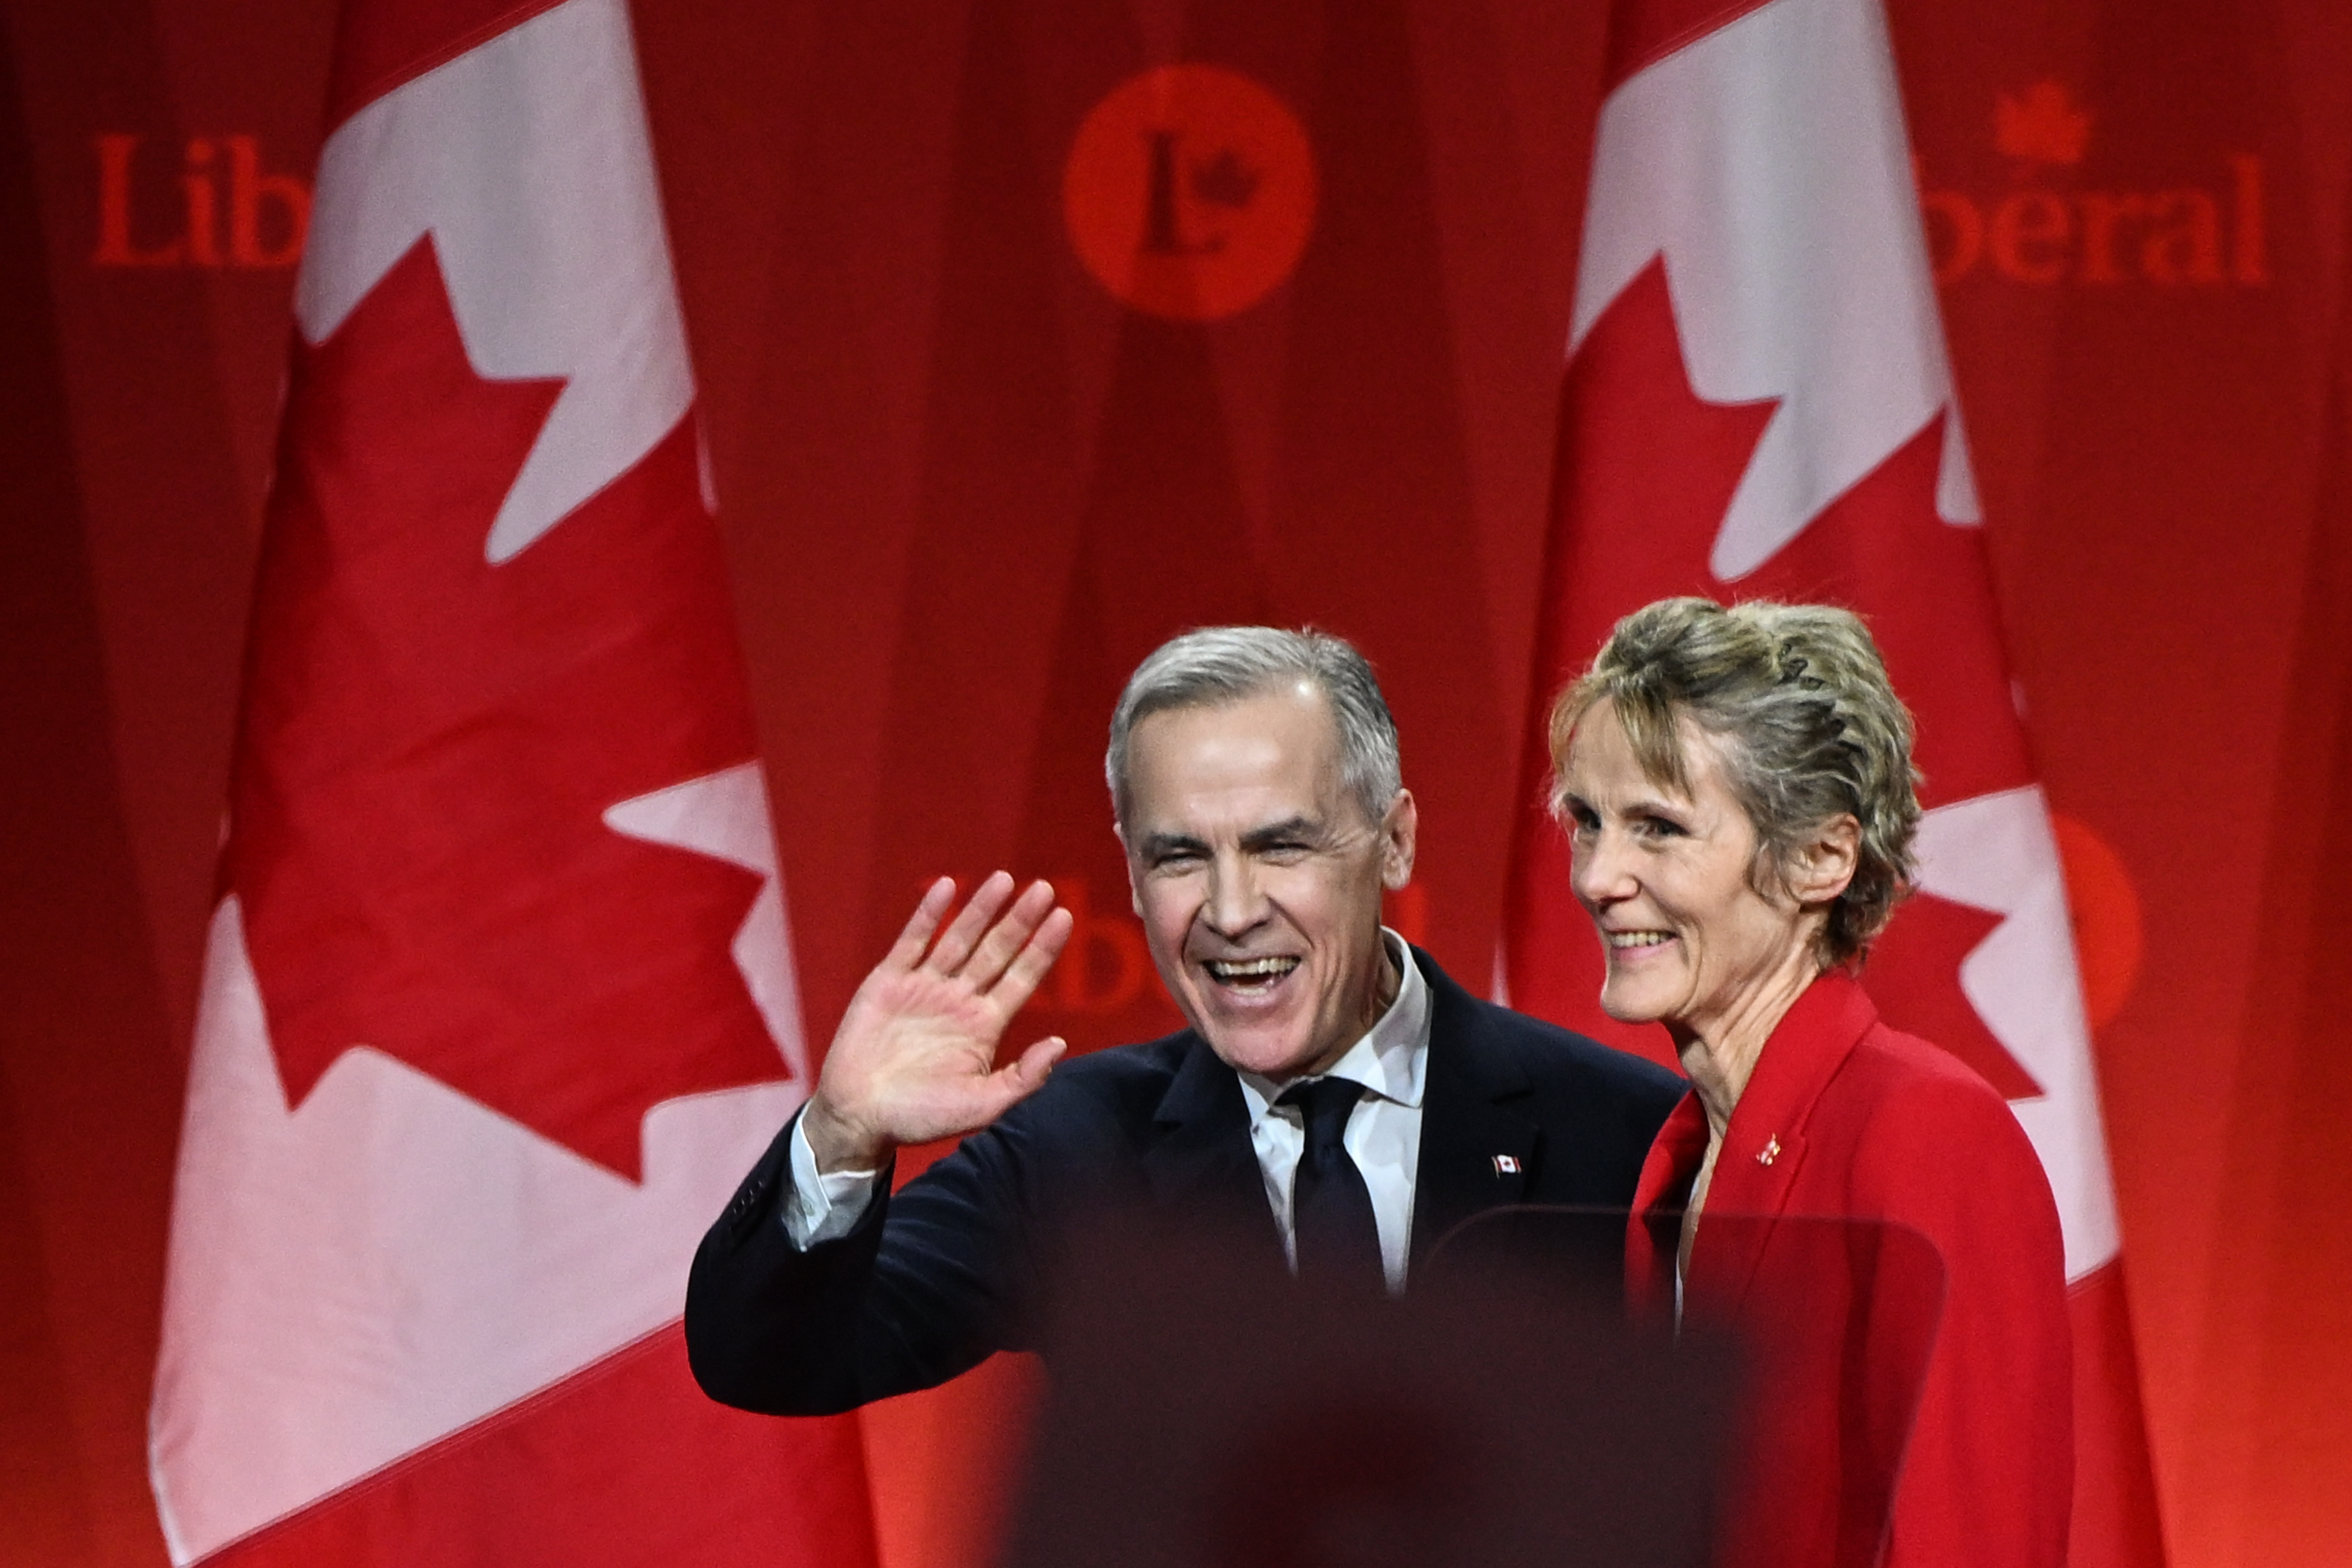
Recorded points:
1532,1399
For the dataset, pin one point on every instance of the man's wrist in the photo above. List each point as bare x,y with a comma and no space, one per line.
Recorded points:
818,1207
837,1144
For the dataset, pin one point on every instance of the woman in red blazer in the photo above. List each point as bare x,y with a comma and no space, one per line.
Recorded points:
1737,785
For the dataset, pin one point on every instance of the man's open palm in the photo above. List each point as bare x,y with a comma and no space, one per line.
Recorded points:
914,1059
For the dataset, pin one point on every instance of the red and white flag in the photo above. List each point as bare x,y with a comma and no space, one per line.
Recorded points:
1757,404
498,1002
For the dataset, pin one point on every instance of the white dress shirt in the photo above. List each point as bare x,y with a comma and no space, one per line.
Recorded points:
1383,1136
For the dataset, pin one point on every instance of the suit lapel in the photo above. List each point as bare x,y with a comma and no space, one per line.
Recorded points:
1476,1147
1201,1163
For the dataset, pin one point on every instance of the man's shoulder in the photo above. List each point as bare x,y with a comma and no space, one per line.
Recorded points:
1124,1084
1562,1064
1552,1056
1127,1069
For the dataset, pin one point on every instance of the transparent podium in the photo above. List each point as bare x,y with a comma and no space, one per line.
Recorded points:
1544,1392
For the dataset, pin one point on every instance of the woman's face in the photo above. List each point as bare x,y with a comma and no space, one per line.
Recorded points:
1689,941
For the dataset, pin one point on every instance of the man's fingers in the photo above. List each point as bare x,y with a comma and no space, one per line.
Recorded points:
1036,956
956,943
1009,936
916,935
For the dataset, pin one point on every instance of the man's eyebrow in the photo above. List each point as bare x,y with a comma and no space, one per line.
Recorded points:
1290,830
1155,845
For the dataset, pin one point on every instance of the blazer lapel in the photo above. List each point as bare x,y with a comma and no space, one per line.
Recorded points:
1764,1147
1201,1163
1654,1228
1476,1147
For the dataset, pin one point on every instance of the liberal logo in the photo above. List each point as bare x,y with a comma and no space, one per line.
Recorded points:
228,211
2211,232
1190,192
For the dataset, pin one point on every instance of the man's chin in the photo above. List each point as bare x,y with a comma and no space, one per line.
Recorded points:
1266,1053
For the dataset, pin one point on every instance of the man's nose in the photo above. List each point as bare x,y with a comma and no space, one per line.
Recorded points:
1235,902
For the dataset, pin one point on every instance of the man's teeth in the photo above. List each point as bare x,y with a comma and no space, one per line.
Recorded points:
1246,971
1638,938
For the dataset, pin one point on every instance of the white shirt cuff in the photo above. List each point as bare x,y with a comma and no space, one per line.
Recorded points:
823,1206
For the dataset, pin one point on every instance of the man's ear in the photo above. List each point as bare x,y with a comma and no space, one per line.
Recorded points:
1399,830
1825,861
1134,893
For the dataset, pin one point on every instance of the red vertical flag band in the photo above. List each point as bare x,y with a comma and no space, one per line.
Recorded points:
497,997
1757,404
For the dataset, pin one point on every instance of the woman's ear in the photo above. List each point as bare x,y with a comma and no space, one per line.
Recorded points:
1825,860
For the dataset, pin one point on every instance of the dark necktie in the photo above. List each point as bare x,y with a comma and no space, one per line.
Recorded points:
1339,1241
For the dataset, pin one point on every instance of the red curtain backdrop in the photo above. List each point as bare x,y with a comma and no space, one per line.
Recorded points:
965,483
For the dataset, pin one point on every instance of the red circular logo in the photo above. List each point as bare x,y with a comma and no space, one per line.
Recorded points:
2105,904
1190,192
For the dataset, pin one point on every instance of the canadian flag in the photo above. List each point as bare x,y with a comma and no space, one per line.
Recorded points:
1757,404
497,1004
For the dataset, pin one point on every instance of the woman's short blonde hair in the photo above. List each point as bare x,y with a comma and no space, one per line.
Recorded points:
1811,730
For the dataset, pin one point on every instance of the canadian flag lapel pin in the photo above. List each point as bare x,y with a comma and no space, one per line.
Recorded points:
1507,1165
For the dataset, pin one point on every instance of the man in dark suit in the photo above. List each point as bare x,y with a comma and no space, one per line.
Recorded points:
1337,1101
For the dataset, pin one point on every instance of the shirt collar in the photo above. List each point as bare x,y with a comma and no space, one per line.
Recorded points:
1391,1059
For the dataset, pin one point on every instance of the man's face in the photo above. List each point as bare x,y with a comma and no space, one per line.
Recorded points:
1258,877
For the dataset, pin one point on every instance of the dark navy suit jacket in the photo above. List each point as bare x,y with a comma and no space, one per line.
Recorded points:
941,1274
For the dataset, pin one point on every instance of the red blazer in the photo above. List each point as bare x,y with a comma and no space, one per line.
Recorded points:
1853,1329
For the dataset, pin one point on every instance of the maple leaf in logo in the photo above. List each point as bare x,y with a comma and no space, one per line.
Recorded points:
2041,125
1647,468
1224,181
430,742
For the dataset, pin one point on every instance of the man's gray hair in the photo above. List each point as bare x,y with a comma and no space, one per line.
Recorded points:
1221,665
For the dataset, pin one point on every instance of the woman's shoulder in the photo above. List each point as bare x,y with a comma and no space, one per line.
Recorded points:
1908,1070
1912,1106
1908,1100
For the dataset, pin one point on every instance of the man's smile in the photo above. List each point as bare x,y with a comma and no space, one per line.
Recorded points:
1251,973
